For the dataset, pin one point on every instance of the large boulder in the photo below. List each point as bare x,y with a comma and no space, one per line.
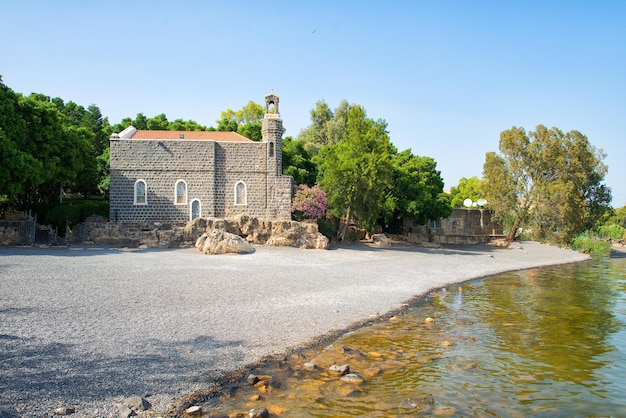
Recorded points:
222,242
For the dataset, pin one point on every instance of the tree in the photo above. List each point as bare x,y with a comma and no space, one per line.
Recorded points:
417,190
297,162
327,127
246,121
158,123
470,188
46,146
357,171
548,181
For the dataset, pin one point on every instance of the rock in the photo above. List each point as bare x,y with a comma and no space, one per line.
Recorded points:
310,366
381,240
339,369
125,411
351,352
429,320
252,379
65,410
194,410
221,242
352,378
446,343
137,403
258,413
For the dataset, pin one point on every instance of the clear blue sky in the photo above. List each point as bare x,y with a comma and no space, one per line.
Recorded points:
447,76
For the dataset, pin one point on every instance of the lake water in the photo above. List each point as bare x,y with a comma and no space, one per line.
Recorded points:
542,342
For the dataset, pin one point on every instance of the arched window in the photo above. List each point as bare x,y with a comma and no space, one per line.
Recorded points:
195,210
241,193
141,193
181,192
271,149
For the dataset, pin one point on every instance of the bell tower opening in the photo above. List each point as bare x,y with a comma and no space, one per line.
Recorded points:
271,104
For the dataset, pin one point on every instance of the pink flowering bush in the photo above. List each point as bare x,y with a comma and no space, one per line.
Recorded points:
309,202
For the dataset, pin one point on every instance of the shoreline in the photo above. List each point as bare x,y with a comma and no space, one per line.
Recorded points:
174,323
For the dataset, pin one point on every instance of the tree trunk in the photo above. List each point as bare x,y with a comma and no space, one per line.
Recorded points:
341,234
514,228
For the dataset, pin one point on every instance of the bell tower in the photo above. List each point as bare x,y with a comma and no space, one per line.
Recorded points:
272,134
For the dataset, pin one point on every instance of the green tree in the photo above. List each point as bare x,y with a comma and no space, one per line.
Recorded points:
16,165
327,127
44,150
357,171
158,123
297,163
470,188
417,190
547,181
246,121
140,122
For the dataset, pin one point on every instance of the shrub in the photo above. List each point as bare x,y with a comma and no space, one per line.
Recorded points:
309,203
75,212
328,229
588,245
614,232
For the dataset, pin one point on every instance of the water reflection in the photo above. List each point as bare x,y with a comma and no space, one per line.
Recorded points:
548,341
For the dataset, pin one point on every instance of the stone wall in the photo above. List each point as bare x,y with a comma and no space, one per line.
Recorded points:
210,169
173,235
10,233
464,226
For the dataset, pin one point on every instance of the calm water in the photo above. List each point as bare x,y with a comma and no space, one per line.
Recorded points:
542,342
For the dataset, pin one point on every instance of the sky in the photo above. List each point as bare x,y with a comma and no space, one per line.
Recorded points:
447,76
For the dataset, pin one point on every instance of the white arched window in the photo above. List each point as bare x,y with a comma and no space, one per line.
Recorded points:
195,209
241,193
181,192
141,193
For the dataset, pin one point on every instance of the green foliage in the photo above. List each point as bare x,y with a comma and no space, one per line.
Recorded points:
417,191
327,228
588,245
75,212
159,122
357,171
327,127
251,131
617,217
297,162
466,189
246,121
547,181
614,232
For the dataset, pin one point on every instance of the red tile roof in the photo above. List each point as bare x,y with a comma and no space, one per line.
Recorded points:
191,135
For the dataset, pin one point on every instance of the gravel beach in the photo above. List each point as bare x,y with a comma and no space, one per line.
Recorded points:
87,326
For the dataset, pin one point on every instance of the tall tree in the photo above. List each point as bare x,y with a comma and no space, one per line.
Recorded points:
327,127
246,121
158,123
357,171
417,190
297,162
548,181
468,188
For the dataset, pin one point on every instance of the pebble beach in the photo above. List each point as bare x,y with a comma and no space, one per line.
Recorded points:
85,327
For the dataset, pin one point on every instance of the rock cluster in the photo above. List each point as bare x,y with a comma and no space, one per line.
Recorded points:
262,232
173,235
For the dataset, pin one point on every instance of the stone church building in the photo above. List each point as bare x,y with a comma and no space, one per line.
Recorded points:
176,176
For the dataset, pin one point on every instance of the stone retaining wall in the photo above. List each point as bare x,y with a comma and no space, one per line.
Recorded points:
174,235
